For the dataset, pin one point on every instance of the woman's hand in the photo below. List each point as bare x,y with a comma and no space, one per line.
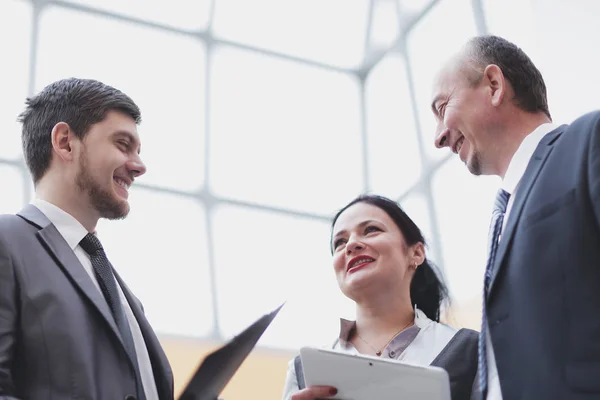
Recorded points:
314,393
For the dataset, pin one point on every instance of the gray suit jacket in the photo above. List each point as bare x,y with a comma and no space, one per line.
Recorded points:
58,339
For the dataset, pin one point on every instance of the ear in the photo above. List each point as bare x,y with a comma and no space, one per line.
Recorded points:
418,254
495,82
62,141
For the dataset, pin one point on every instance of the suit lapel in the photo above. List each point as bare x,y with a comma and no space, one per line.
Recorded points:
534,167
66,259
163,375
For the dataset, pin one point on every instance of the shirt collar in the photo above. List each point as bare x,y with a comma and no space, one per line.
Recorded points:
347,326
70,229
520,160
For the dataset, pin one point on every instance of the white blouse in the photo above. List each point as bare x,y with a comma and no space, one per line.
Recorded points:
427,344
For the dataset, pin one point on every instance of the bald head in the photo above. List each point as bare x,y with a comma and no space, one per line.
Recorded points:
486,99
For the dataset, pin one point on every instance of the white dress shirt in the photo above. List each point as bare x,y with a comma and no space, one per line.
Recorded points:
510,183
73,232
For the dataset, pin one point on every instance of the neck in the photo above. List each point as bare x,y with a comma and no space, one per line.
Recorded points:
69,199
520,125
382,318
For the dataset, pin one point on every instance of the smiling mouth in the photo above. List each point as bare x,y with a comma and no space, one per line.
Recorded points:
458,145
122,184
359,262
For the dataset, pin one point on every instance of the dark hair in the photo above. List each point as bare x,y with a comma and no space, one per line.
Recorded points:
427,290
80,103
525,79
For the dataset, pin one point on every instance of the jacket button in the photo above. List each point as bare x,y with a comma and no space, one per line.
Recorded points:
130,397
392,353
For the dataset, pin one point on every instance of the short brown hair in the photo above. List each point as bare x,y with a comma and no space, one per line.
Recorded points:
80,103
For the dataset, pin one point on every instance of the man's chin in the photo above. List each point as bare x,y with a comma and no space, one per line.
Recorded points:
115,210
473,165
473,170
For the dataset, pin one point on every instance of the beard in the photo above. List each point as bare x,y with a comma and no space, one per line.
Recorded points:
474,164
103,200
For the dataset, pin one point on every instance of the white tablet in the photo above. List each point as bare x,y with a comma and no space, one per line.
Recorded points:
360,377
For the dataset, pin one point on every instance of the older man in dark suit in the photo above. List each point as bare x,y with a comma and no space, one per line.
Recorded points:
540,335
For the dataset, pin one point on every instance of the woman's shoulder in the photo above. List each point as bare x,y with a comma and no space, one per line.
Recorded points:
459,359
445,328
459,339
451,331
436,338
453,337
435,330
442,331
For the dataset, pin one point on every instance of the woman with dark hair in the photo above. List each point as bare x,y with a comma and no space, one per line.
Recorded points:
379,261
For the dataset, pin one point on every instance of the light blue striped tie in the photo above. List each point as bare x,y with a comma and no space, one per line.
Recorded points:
493,238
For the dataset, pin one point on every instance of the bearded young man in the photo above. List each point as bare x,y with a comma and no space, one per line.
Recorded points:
69,326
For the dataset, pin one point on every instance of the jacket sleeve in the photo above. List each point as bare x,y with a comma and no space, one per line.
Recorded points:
594,166
8,324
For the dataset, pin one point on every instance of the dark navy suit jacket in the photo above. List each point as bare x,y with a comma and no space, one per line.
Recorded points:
544,300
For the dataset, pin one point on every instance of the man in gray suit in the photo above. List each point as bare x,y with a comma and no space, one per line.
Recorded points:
69,326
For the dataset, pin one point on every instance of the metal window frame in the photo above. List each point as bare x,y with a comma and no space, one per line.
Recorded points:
208,199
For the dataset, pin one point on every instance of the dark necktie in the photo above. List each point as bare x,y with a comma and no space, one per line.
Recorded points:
108,285
493,238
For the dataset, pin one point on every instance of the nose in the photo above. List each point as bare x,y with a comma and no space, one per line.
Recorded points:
353,246
136,166
442,139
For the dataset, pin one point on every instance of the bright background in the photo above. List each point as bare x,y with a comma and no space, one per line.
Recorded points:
260,119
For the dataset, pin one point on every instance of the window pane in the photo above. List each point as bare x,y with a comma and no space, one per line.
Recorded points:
386,24
11,182
441,33
571,93
282,133
414,6
518,27
463,205
168,92
15,37
394,159
300,28
160,250
186,14
263,259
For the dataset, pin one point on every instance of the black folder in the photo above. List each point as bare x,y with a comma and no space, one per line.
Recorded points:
218,367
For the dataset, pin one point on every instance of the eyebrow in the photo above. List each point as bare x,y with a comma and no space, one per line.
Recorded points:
367,222
130,137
